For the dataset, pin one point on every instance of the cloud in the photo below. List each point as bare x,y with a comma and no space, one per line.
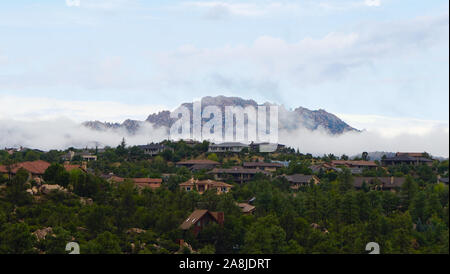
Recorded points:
61,133
222,9
372,3
73,3
38,108
319,142
101,4
306,62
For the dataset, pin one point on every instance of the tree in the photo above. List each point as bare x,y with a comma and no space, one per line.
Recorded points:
16,191
16,239
105,243
57,174
365,156
265,236
409,191
213,157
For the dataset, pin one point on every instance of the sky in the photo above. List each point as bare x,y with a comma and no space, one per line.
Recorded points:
380,65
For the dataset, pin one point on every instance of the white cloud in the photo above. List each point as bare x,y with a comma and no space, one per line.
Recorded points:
38,108
73,3
61,133
372,3
391,127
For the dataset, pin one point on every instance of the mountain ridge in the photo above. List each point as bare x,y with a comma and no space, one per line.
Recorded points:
288,119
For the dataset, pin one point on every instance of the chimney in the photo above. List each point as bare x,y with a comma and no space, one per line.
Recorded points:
220,218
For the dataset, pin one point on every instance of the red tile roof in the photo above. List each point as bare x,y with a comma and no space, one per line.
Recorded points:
35,167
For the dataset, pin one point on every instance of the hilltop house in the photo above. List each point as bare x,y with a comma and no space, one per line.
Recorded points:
381,183
154,149
247,209
409,158
152,183
227,147
237,174
201,218
269,167
298,180
198,164
202,186
36,169
266,147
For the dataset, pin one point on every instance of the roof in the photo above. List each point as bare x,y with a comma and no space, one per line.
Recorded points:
406,158
198,162
410,154
229,144
386,181
212,183
444,180
354,163
299,178
238,170
246,208
194,217
152,146
137,180
35,167
262,164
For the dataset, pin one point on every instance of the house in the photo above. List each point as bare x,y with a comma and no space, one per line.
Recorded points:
204,185
354,164
195,165
407,158
298,180
266,147
237,174
442,180
68,167
382,183
141,183
87,156
201,218
233,147
68,156
247,209
154,149
269,167
35,168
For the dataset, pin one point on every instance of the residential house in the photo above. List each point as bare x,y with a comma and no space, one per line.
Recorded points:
354,164
406,158
36,169
154,149
266,147
234,147
269,167
247,209
237,174
195,165
381,183
203,185
298,180
442,180
152,183
200,218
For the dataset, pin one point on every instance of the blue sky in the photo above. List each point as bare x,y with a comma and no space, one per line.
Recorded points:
352,57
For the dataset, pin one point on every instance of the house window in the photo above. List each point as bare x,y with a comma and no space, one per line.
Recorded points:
188,188
224,189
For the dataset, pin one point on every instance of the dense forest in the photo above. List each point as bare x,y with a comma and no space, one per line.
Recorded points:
328,218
